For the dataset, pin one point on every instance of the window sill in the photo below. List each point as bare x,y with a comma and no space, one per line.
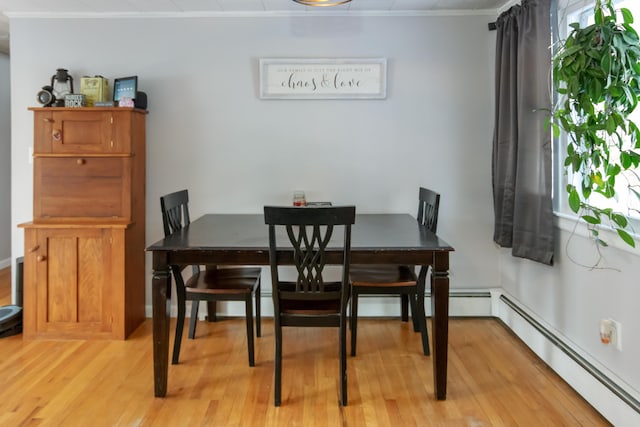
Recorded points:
572,224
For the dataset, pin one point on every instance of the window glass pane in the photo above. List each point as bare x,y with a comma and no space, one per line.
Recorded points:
626,203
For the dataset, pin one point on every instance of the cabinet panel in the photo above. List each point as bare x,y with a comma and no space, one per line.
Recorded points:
73,131
72,287
92,270
70,132
70,187
42,126
81,133
59,274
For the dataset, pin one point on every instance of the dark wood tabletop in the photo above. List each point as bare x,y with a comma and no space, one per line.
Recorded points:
242,239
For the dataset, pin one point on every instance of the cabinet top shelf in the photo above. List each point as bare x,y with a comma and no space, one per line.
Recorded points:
67,223
54,109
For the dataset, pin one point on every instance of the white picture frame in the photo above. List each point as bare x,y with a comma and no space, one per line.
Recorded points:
291,78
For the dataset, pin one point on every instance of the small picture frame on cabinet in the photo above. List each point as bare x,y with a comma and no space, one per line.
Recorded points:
125,101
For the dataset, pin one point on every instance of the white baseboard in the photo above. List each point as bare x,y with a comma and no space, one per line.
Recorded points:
462,303
4,263
609,395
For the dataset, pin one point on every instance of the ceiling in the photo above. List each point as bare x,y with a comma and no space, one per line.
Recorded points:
11,8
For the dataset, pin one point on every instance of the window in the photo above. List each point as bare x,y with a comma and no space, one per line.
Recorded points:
627,202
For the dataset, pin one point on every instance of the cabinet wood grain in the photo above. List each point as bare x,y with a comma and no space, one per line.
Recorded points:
84,249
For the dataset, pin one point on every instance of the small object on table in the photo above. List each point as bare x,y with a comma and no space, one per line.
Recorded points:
299,199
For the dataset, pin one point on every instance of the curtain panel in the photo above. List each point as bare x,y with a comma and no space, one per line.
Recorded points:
522,160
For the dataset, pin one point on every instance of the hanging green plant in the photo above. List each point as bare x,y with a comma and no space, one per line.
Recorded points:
596,71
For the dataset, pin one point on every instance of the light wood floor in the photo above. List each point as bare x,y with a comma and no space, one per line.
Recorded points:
494,380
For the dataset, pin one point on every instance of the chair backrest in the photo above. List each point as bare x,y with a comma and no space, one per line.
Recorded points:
175,211
308,232
175,216
428,205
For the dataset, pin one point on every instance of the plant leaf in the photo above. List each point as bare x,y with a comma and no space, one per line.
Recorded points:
620,220
569,51
625,160
574,200
591,219
598,16
626,237
627,16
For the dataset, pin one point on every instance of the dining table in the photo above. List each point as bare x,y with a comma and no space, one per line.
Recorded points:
242,239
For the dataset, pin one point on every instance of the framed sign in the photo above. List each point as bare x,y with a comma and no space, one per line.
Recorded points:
323,78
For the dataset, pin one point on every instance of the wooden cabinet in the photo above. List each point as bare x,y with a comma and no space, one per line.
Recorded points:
84,251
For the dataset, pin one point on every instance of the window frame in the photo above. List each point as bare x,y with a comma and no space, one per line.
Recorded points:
566,218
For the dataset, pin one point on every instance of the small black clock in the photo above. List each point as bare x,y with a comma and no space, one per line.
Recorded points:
46,97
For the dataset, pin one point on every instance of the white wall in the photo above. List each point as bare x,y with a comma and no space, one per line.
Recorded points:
208,131
5,162
572,299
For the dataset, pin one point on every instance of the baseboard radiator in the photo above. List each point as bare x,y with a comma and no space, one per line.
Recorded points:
588,367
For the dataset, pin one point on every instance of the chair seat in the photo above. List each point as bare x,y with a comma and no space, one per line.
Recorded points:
382,275
224,281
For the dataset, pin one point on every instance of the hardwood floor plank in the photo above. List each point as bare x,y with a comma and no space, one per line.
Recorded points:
494,380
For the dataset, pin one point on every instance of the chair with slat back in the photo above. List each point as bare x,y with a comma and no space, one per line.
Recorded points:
211,285
310,300
397,279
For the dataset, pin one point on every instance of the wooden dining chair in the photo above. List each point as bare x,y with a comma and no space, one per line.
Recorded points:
310,301
211,284
397,279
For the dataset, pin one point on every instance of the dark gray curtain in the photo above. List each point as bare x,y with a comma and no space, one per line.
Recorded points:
521,164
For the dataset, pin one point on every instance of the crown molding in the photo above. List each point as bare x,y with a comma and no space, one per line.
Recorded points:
248,14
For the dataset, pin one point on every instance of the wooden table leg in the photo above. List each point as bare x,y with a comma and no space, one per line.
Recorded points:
440,321
161,302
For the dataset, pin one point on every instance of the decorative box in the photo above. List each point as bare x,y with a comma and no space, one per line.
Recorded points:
75,101
96,89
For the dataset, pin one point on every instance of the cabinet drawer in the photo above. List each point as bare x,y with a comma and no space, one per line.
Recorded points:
73,187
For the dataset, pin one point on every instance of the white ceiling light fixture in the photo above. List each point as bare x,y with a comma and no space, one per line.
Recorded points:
322,3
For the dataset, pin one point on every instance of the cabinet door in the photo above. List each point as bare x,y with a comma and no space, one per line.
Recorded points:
82,187
72,284
79,132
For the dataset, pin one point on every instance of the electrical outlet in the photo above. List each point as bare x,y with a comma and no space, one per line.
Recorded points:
611,333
